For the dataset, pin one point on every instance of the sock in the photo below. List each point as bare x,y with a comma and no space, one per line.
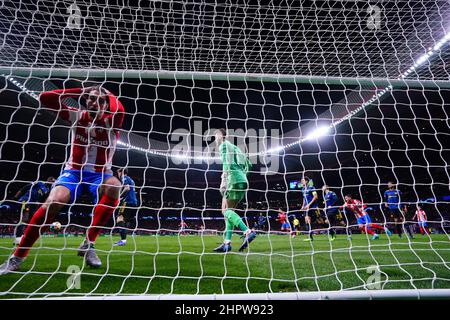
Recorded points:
310,233
422,232
368,230
122,231
377,226
331,231
235,220
228,231
19,230
33,231
399,229
102,213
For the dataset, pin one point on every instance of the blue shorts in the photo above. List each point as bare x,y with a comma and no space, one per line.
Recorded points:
79,182
364,219
422,223
285,226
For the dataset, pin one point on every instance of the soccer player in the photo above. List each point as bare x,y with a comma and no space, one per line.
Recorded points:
310,206
392,198
183,226
282,218
29,196
332,211
261,221
127,207
296,227
421,220
95,130
362,217
233,187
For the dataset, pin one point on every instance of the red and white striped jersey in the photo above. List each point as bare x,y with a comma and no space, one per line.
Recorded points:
421,216
92,143
357,207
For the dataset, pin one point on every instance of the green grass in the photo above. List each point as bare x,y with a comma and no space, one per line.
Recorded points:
186,264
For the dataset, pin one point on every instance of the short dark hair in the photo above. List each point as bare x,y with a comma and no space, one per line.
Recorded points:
222,131
123,170
349,195
306,178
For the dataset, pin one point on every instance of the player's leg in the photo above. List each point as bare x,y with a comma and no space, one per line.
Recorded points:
59,196
121,225
308,226
330,221
108,189
23,213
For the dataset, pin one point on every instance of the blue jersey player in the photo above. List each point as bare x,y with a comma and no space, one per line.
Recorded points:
127,207
332,211
29,197
395,207
311,206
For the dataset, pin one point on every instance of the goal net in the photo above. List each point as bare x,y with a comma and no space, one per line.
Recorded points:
341,107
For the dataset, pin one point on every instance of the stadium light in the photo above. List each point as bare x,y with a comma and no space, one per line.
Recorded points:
317,133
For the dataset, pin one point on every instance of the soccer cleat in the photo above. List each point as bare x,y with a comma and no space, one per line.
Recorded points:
11,265
83,248
120,243
307,239
249,238
224,247
388,232
87,251
349,238
332,238
92,259
375,237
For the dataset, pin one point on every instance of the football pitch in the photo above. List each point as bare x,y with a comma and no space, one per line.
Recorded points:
186,265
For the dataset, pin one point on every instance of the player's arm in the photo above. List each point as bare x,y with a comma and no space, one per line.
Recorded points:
22,191
55,100
386,205
414,216
116,113
314,199
225,155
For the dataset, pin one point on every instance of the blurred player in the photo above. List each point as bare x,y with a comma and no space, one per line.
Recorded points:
296,227
393,203
233,187
310,206
422,220
332,211
283,220
127,208
261,222
29,196
94,133
183,226
362,217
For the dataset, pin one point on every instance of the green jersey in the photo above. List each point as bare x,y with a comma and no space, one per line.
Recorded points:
235,163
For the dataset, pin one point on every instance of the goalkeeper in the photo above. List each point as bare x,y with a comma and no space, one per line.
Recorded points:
233,187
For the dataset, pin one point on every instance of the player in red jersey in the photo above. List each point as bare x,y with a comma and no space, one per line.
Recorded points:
422,220
94,134
282,218
362,217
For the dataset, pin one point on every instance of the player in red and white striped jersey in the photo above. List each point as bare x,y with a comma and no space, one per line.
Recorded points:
365,224
95,130
422,220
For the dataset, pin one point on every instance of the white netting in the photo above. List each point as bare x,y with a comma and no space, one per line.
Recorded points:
353,94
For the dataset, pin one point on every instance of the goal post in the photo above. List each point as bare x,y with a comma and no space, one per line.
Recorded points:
87,74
